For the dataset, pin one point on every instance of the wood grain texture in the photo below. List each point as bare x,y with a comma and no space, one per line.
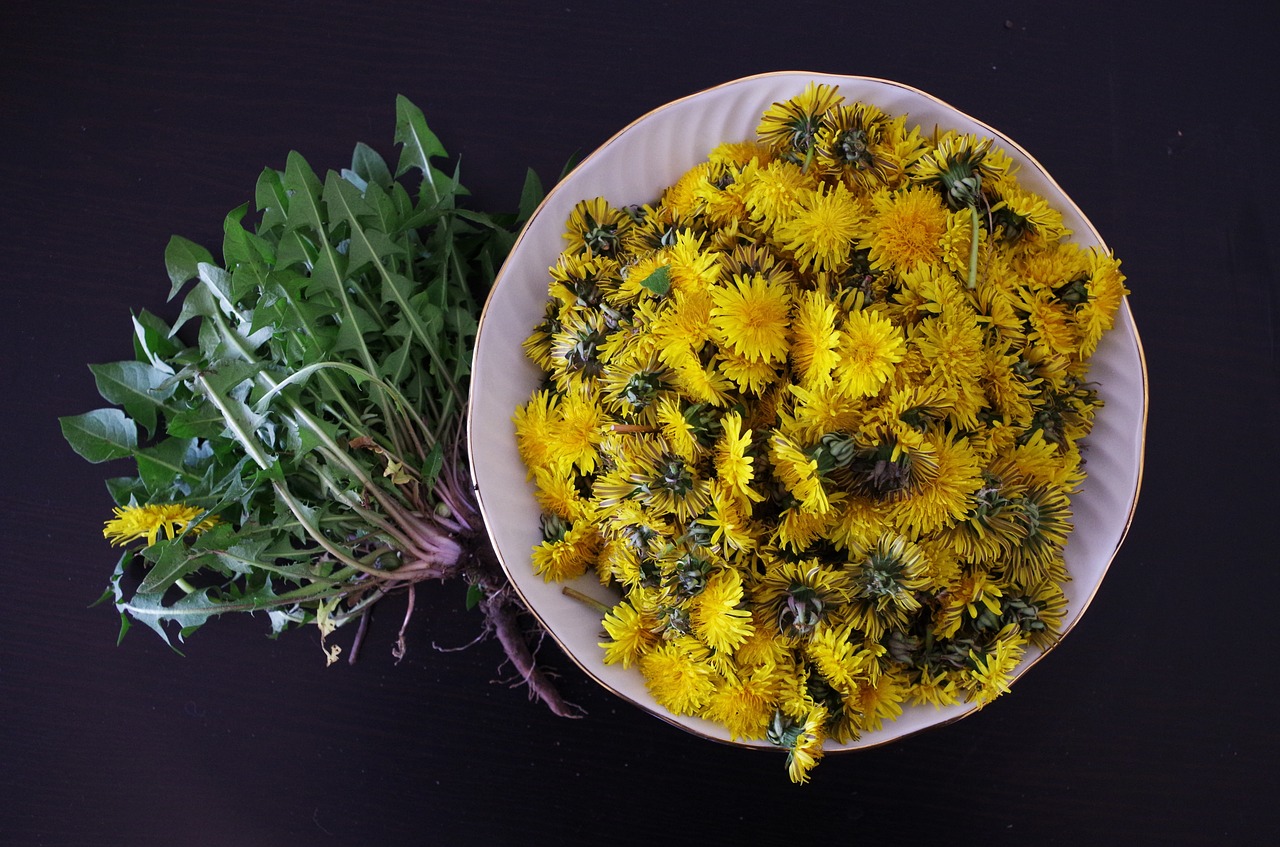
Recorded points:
121,124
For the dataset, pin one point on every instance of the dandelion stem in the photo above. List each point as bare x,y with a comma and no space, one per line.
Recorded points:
973,247
631,428
582,598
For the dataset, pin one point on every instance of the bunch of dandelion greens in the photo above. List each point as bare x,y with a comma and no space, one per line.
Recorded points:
302,457
816,412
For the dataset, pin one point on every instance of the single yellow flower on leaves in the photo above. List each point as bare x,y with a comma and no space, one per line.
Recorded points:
133,522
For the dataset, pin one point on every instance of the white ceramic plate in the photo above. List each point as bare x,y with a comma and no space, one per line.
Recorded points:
633,167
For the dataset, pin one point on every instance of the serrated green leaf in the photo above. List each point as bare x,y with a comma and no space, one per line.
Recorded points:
271,199
171,559
138,387
474,595
240,422
531,195
370,166
225,375
100,435
189,612
198,303
367,245
164,464
182,257
151,341
200,421
659,282
302,187
419,143
126,489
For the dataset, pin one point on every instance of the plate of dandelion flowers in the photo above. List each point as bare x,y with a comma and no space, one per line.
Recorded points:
808,413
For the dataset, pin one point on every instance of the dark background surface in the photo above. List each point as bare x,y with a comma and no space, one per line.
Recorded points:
124,123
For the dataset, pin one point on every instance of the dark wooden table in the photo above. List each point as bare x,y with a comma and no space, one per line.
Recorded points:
124,123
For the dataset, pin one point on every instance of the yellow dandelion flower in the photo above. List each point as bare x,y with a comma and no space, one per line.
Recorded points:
880,702
681,196
715,615
772,193
577,431
943,496
631,288
820,411
630,386
743,702
797,528
538,345
692,266
885,582
151,521
764,647
570,556
740,153
596,228
747,260
802,739
1051,323
534,422
857,525
677,429
722,196
905,415
821,232
904,229
837,658
733,463
575,348
557,493
631,635
992,671
957,242
1105,290
1005,391
1050,267
683,325
962,167
798,471
1037,461
850,144
678,675
974,592
1023,214
952,343
936,689
801,595
583,282
870,346
730,524
619,561
815,339
701,383
751,376
791,127
751,316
